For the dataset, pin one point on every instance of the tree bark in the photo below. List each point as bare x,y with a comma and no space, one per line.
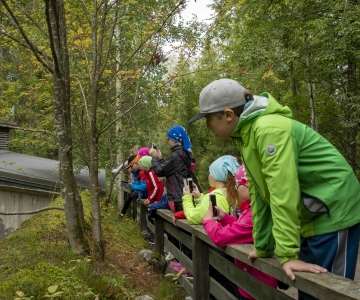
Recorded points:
55,16
120,156
351,115
313,122
97,47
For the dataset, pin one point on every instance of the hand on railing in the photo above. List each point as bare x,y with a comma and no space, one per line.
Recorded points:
294,265
252,256
174,221
297,265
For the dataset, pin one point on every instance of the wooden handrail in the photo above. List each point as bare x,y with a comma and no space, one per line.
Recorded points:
322,286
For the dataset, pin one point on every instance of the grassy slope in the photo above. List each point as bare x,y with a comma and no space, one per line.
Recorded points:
37,256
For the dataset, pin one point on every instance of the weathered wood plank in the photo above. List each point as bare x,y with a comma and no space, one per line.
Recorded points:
255,287
200,256
180,256
184,237
186,284
150,225
329,286
143,218
219,292
322,286
159,235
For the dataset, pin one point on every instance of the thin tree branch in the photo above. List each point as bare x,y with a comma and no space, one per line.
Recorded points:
14,39
110,41
32,212
144,42
30,18
84,98
32,46
34,130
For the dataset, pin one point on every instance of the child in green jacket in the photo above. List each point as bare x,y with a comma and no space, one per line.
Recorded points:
305,197
222,172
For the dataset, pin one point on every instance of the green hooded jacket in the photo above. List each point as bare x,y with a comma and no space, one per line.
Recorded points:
299,184
194,214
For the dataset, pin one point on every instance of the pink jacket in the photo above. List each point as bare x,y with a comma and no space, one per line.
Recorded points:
231,230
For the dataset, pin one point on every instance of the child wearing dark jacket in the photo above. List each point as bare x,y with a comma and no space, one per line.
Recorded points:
176,167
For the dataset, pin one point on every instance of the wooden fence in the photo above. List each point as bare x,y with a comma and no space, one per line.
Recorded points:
322,286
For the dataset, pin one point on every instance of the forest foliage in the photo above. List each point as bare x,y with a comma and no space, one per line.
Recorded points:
305,53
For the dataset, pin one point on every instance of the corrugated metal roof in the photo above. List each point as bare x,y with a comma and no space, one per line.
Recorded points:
27,171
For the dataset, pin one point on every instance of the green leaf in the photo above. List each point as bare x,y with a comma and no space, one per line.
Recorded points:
52,289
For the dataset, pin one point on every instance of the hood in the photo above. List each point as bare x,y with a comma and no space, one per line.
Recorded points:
265,104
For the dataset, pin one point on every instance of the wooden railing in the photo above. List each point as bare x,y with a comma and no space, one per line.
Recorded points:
322,286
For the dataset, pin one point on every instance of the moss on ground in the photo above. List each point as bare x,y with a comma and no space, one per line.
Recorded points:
36,261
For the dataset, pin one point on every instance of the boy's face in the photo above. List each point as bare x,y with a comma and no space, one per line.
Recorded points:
135,166
171,143
142,168
222,124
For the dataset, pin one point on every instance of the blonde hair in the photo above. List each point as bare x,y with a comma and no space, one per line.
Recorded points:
134,150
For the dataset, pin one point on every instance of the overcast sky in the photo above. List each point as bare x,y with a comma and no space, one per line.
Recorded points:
198,8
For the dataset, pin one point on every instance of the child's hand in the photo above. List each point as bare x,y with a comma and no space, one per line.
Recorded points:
252,256
221,213
152,152
174,221
196,191
209,213
146,201
186,190
298,265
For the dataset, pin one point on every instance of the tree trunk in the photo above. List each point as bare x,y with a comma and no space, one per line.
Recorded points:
351,113
99,244
55,16
120,156
313,122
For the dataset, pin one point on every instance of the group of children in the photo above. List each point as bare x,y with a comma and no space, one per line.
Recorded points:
302,199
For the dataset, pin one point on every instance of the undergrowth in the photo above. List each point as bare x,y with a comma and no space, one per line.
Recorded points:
36,262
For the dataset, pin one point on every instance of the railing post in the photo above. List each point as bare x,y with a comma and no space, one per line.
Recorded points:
143,217
159,235
200,256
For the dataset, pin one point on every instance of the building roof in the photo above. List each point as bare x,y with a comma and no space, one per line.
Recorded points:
21,170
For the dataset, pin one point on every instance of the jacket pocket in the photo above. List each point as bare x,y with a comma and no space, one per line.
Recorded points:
312,207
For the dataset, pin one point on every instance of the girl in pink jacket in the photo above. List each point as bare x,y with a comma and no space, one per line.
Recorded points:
227,230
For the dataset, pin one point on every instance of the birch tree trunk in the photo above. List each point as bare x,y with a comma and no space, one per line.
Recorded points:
55,16
313,121
120,156
99,244
351,113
